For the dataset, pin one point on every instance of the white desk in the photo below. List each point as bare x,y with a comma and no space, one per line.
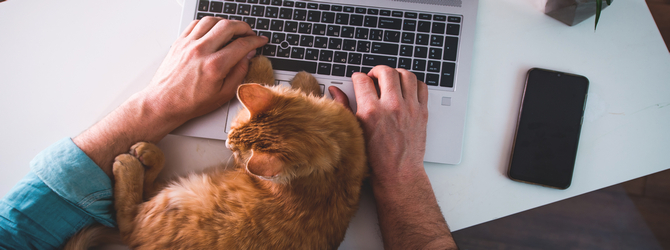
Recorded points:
66,64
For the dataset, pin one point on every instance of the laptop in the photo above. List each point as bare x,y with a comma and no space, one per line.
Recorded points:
333,39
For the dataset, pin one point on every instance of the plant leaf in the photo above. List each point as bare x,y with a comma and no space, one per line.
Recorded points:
599,7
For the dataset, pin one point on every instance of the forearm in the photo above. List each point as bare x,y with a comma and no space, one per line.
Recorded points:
409,216
134,121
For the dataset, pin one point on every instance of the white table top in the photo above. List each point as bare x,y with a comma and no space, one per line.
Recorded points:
66,64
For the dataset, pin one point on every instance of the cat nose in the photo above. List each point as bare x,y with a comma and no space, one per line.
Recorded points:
228,146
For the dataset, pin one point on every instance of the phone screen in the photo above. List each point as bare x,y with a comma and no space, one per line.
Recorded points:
547,135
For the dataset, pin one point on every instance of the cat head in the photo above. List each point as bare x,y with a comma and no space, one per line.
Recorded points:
283,134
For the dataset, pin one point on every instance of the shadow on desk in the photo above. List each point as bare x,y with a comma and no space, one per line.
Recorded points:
631,215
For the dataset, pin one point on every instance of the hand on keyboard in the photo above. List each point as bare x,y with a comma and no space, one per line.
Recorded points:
200,74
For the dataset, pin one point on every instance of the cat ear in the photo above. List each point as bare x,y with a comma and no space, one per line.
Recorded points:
264,165
255,97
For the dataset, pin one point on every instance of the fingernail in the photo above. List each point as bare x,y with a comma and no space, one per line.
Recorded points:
251,54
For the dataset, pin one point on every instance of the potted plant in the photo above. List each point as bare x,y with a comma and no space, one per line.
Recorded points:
572,12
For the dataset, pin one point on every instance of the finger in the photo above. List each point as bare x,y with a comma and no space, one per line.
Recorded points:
340,97
422,90
203,26
409,85
230,55
389,82
188,29
234,79
224,31
364,89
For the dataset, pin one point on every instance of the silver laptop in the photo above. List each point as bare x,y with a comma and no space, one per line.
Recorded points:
333,39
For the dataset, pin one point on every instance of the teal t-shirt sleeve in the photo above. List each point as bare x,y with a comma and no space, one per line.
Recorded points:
64,192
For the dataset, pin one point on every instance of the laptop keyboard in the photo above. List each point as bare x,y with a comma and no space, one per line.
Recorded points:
338,40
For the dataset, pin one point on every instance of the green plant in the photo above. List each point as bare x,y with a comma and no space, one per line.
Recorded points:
599,8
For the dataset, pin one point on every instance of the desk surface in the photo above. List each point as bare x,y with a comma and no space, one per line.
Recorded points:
66,64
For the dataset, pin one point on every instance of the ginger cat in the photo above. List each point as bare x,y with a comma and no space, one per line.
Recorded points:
300,163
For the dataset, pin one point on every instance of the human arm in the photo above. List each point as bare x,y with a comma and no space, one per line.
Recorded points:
394,123
200,73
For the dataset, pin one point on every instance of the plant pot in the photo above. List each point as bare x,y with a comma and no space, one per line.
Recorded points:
571,12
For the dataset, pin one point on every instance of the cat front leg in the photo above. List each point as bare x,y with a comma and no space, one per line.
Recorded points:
306,83
260,71
129,178
153,160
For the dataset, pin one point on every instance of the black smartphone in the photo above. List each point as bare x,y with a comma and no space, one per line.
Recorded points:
548,128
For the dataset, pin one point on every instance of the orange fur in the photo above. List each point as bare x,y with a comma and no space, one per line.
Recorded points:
300,163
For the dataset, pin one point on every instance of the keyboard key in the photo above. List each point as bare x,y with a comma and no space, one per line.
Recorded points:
238,18
277,25
436,40
314,16
406,50
257,10
277,37
360,10
339,70
419,65
203,15
342,18
352,69
289,3
424,27
376,35
439,18
305,28
293,65
306,41
230,8
450,47
276,2
454,19
370,21
374,60
362,33
326,55
422,39
250,20
293,39
419,75
348,9
252,1
328,17
272,12
291,26
347,32
356,20
297,53
243,9
432,79
266,2
420,51
324,7
453,29
286,13
407,38
405,63
448,70
363,46
425,16
349,45
319,29
215,7
313,6
336,8
321,42
281,52
203,5
385,48
299,14
312,54
434,66
324,69
409,25
333,30
365,69
300,4
435,53
392,36
335,43
221,16
373,11
438,28
410,15
397,13
385,13
354,58
340,56
390,23
267,34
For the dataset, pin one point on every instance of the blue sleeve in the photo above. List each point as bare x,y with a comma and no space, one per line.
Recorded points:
64,192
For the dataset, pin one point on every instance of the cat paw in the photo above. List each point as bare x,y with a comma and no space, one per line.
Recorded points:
260,71
148,154
306,83
127,167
